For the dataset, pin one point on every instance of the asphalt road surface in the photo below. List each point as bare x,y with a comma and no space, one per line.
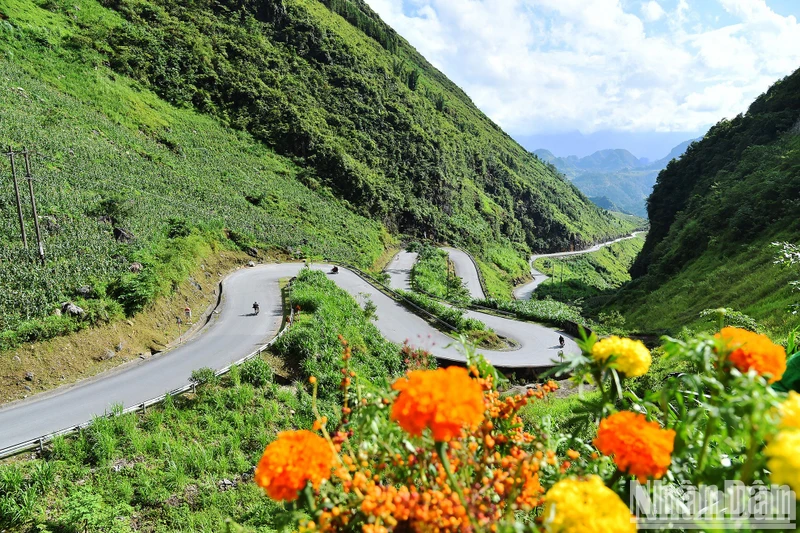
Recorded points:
524,292
467,271
234,332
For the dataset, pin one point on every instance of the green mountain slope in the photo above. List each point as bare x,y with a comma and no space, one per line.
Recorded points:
713,214
624,180
166,119
357,106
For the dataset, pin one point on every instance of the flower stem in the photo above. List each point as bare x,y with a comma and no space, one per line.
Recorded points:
613,481
712,421
441,450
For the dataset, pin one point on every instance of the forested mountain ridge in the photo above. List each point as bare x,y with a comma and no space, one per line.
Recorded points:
734,184
714,214
614,179
161,131
357,106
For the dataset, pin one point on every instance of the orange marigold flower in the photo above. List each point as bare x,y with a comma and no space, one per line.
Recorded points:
751,351
291,461
639,447
444,400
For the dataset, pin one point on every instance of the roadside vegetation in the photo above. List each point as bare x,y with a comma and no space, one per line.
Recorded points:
714,214
312,346
433,274
580,277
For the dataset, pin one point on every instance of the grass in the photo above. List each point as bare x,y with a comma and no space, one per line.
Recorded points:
743,278
574,278
187,464
160,471
312,346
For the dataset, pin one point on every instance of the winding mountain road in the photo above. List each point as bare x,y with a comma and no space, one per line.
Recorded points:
467,270
234,332
524,292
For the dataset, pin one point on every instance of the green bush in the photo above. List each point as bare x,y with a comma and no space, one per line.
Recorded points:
205,375
256,372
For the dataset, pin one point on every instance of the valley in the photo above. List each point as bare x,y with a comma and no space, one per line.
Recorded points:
270,265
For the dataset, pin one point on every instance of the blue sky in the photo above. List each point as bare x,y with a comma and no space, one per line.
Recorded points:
577,75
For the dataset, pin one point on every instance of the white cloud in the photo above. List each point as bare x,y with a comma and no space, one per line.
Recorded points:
543,66
652,11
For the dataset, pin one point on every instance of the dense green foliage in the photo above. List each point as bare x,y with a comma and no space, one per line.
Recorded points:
714,214
312,344
574,278
109,154
545,311
160,471
371,120
453,316
433,274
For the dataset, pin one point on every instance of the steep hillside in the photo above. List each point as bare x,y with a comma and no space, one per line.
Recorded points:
715,211
354,103
165,120
616,175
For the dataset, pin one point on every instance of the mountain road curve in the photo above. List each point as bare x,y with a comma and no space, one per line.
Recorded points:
467,270
524,292
234,332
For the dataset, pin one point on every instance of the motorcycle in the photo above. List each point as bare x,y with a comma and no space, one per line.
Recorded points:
255,308
334,270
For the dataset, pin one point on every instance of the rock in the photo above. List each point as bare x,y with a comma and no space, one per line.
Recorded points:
28,388
49,224
57,312
123,235
249,474
120,345
86,291
16,359
105,356
104,219
252,252
226,484
28,376
72,309
135,268
251,264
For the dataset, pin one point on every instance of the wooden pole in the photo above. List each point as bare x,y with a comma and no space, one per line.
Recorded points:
16,193
29,176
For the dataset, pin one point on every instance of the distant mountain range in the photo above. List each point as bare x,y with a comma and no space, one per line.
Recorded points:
614,179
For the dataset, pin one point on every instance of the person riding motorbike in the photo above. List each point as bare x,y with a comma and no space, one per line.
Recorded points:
335,270
255,308
561,340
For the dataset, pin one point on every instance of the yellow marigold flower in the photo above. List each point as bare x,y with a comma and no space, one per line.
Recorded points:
783,460
753,351
291,461
632,357
445,400
585,506
639,447
790,412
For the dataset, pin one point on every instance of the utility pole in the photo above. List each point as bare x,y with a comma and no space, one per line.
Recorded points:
16,193
29,176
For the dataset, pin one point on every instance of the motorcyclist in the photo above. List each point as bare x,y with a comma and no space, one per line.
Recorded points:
561,340
255,308
335,270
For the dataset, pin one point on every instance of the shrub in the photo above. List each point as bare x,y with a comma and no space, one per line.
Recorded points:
256,372
205,375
